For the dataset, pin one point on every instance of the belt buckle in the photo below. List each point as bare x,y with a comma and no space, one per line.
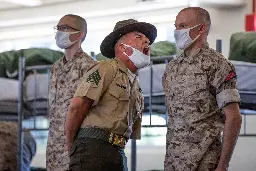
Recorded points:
117,140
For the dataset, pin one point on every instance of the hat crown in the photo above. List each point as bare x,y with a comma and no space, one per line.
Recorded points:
123,23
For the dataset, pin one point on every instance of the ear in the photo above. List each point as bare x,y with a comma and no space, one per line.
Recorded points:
80,35
120,46
202,28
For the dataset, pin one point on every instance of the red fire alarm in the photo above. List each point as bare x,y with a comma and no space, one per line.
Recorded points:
250,22
250,19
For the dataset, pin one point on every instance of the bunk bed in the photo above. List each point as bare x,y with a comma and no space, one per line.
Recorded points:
33,94
24,97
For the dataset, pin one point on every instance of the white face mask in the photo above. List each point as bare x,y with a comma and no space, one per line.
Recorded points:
182,38
139,59
62,39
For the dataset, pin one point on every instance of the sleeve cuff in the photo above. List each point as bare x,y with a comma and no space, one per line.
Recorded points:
227,96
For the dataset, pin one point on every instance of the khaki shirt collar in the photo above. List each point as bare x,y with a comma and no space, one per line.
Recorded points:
122,66
131,76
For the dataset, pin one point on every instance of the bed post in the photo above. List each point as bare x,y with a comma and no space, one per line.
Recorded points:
20,113
219,45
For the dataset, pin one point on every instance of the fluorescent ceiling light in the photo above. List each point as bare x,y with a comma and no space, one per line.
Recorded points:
26,2
95,14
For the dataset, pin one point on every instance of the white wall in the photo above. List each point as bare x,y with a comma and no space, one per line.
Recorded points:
34,26
225,22
37,23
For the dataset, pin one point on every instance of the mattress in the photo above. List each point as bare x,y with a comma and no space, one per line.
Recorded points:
9,133
144,76
9,89
246,76
36,93
38,104
9,93
36,87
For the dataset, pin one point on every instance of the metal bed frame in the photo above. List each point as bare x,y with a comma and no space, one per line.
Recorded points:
23,68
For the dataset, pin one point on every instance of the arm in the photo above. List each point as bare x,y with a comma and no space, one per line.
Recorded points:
231,131
78,108
223,81
92,86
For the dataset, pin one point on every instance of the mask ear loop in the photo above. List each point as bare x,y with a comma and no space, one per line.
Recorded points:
197,35
127,46
194,26
71,33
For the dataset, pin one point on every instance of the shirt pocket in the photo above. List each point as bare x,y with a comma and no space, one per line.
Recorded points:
119,93
195,85
119,99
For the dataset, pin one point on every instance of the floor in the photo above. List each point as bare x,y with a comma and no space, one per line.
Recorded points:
151,150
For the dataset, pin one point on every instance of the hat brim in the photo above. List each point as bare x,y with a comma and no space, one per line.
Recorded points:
108,44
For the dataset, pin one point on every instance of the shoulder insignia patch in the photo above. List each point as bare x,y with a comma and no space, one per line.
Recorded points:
231,75
94,77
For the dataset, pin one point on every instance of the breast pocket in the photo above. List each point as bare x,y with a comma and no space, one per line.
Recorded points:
194,85
70,85
119,99
120,92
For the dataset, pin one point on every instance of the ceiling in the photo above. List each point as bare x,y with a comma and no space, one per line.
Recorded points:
14,4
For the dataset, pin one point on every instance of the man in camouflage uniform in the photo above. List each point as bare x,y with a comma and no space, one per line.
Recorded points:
65,75
9,147
106,110
201,98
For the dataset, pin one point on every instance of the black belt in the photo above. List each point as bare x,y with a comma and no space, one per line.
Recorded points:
97,133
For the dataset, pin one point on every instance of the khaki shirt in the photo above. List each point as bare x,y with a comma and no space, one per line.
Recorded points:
8,145
197,87
118,101
65,76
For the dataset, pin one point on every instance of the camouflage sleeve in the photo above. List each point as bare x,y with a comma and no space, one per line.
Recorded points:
87,64
223,80
136,129
8,143
95,82
164,80
52,86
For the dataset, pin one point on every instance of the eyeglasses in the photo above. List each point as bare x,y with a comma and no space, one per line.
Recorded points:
64,28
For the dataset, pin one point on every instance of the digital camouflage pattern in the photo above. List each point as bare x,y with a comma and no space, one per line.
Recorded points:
8,145
197,87
65,77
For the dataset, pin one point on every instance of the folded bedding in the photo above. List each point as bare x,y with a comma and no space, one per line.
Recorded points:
9,61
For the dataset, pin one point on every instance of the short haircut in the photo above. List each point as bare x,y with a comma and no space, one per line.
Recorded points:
202,16
81,23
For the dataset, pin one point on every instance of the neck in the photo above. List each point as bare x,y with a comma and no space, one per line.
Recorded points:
127,63
194,47
71,51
